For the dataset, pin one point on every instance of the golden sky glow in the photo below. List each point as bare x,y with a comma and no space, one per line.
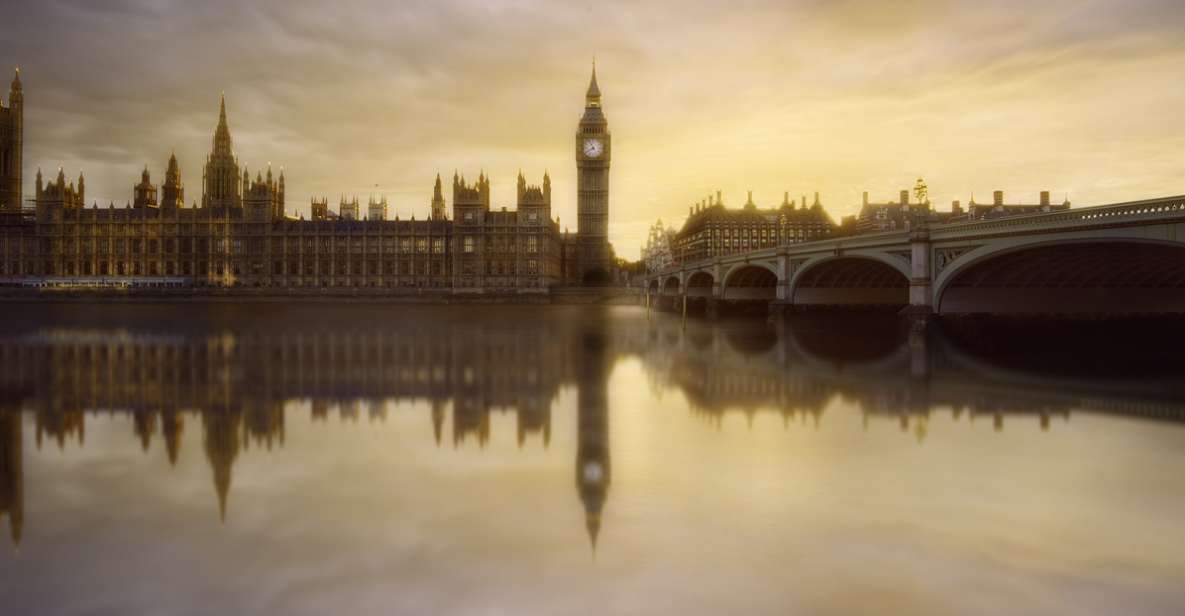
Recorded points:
1077,97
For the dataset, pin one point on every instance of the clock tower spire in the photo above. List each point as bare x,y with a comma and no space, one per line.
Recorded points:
592,189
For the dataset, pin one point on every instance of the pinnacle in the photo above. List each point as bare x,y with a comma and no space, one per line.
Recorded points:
593,90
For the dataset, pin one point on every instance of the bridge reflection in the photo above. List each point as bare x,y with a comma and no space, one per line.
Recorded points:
234,377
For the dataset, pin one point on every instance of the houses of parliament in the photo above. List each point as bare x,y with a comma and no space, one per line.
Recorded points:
240,236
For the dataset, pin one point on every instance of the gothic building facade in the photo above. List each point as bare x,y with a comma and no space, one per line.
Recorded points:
241,236
12,136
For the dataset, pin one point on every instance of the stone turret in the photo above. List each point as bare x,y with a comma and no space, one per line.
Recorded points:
376,209
534,202
145,192
320,208
221,184
467,196
12,130
437,200
172,192
58,196
263,198
348,210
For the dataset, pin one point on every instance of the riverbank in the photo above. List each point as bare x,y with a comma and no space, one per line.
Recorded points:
562,296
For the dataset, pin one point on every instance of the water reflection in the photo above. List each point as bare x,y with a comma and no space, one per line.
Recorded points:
233,375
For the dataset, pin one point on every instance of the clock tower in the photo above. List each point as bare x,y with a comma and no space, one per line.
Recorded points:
592,189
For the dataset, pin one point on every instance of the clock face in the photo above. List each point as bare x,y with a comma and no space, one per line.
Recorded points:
593,148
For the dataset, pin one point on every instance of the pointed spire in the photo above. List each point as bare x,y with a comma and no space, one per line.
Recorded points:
16,80
594,92
592,523
222,141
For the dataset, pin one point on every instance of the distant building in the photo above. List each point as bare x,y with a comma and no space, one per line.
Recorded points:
712,230
904,214
998,209
893,215
658,254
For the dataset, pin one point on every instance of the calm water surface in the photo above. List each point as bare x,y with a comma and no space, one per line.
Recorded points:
315,459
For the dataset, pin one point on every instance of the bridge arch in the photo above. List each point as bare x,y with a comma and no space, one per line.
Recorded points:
750,281
853,279
699,284
652,286
671,285
1109,274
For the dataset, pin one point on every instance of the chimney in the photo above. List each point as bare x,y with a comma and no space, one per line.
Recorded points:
998,197
1045,198
905,197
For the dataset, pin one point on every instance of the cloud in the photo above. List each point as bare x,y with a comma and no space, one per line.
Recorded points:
838,97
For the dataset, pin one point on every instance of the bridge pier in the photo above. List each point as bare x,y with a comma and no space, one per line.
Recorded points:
921,293
783,299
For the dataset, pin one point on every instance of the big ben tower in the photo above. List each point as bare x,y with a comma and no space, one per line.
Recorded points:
592,189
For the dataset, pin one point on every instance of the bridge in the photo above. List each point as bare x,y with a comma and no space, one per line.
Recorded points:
1124,258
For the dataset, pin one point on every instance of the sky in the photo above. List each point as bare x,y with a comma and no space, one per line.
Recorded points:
1083,98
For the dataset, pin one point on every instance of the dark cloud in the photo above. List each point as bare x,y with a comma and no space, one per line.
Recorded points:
839,96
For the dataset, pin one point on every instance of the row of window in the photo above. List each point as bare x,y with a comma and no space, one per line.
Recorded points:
203,245
172,229
469,244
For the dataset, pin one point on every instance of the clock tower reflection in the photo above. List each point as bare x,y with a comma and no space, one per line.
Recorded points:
592,425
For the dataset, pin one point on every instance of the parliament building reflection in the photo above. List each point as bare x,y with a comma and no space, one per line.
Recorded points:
234,379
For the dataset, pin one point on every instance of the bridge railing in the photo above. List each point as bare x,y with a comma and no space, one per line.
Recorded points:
1172,206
